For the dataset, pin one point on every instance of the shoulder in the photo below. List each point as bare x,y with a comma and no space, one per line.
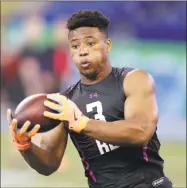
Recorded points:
138,80
70,90
122,72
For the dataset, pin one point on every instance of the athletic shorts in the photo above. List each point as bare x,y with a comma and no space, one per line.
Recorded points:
147,177
154,179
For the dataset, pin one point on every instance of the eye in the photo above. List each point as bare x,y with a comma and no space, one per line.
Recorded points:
91,43
74,46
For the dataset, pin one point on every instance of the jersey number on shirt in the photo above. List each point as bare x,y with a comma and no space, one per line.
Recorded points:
103,147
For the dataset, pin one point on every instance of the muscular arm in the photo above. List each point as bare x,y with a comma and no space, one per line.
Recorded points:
140,111
47,158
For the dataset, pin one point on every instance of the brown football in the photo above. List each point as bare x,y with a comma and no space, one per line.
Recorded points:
32,108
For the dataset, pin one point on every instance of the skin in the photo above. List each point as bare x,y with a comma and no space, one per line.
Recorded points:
140,111
90,44
140,108
47,158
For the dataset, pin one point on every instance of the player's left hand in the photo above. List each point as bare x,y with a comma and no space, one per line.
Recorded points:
66,110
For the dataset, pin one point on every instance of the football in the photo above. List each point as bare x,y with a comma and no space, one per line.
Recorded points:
32,108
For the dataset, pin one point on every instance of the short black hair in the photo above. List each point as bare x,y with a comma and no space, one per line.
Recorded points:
88,18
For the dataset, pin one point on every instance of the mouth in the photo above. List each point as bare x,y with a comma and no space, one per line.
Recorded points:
85,64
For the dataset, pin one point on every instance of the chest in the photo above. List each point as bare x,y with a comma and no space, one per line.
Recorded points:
101,103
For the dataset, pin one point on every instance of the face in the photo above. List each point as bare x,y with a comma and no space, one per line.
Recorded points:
89,49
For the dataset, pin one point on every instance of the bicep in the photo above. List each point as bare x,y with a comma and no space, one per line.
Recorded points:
142,107
55,140
141,104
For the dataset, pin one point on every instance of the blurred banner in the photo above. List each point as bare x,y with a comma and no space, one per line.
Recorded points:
35,59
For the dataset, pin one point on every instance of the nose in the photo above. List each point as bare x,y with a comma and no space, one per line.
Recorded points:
83,51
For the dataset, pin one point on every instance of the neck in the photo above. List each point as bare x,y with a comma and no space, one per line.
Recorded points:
102,74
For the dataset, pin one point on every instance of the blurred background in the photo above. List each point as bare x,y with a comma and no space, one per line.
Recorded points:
35,59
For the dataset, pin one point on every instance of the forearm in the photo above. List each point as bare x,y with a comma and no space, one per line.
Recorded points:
42,161
118,132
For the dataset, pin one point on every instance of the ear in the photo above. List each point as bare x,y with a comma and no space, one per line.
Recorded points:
109,45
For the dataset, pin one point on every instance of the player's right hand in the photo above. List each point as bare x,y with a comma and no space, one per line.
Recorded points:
21,139
67,111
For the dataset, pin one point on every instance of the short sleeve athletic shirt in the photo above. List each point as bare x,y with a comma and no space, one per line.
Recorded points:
103,162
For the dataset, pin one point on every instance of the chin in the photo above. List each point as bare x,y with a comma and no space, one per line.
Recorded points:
89,74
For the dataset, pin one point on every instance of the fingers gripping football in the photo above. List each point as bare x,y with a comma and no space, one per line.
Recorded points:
21,139
66,110
59,104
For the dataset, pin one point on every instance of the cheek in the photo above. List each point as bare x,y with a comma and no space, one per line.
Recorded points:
74,57
100,55
97,54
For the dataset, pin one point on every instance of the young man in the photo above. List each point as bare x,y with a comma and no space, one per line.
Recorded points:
116,137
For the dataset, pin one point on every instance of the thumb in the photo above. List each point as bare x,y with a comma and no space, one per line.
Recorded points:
77,112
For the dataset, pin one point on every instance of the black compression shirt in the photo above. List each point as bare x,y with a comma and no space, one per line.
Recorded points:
105,163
